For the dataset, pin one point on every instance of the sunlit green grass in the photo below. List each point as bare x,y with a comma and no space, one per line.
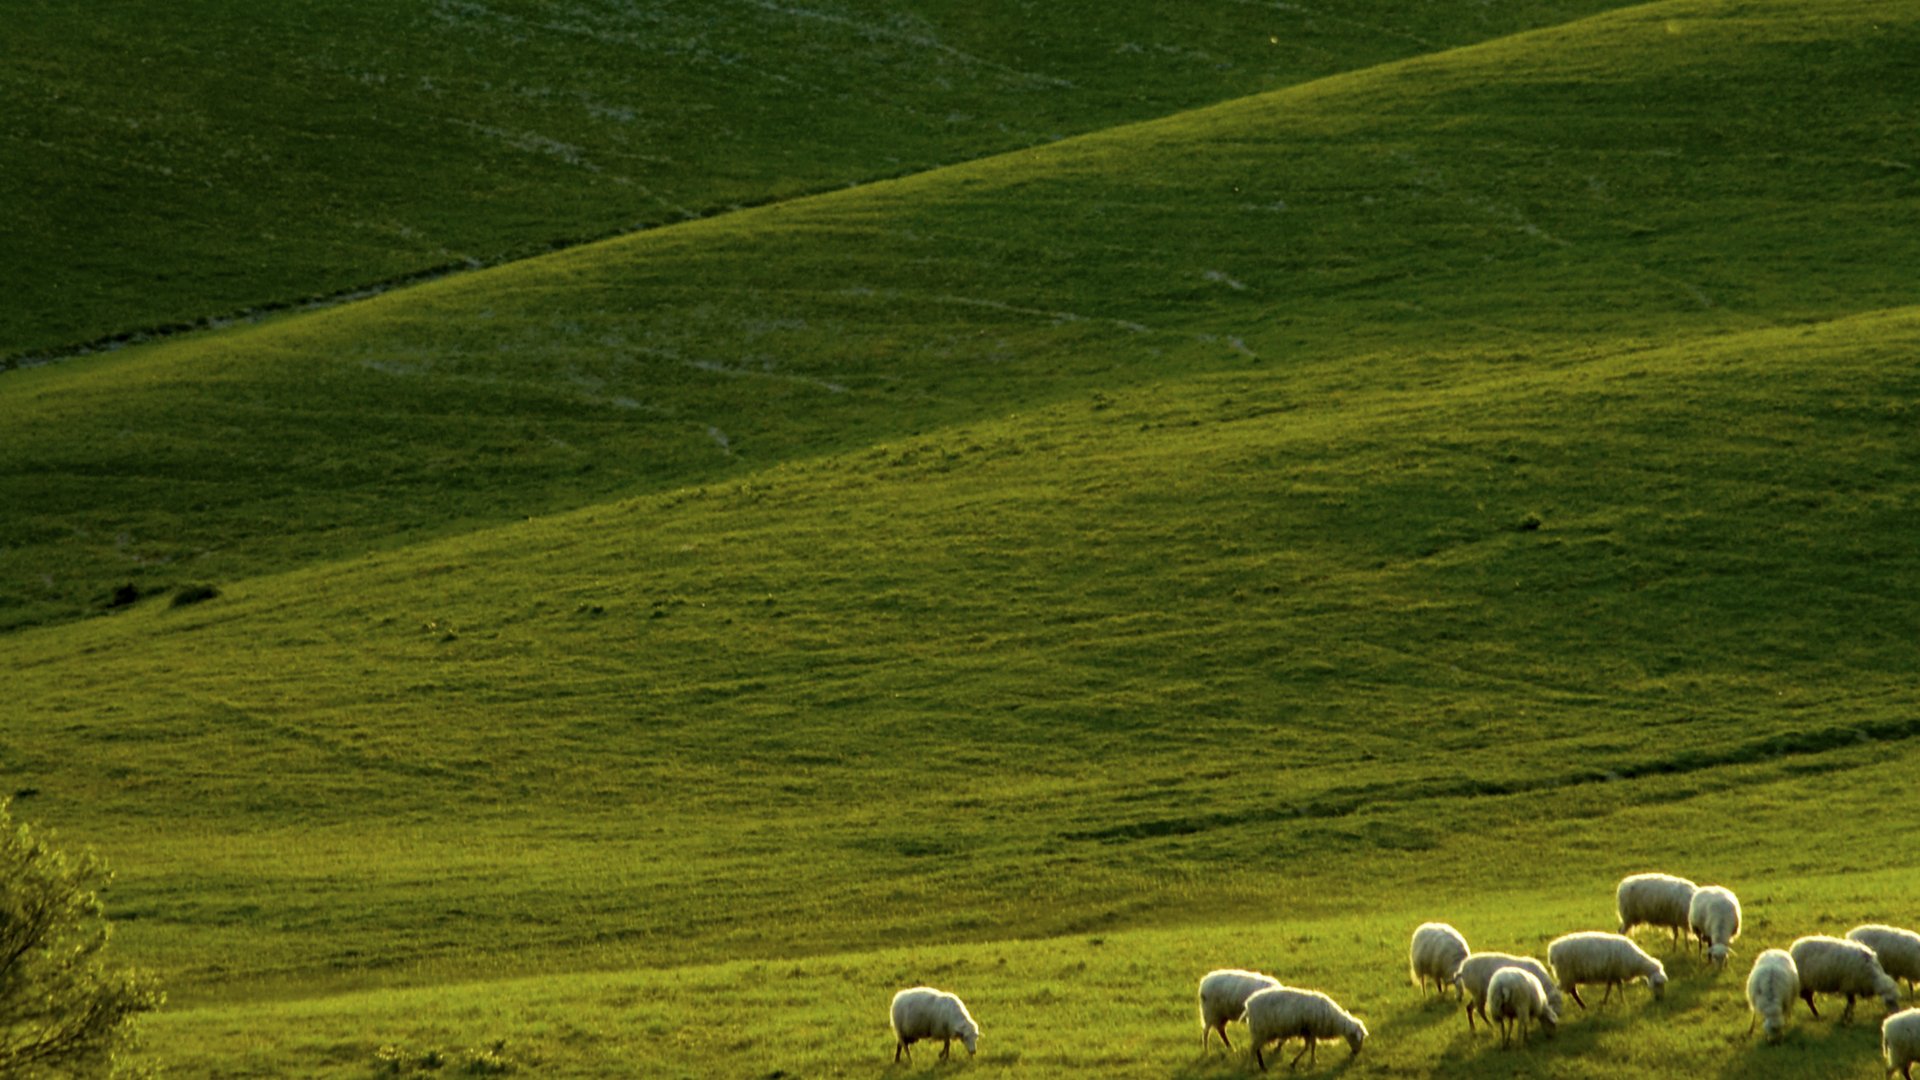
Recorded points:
1117,1004
1027,677
161,167
1495,204
1427,492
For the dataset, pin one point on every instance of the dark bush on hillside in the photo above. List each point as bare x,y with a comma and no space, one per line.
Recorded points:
62,1013
124,595
193,594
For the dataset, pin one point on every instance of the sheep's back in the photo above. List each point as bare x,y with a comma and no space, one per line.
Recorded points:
1898,950
922,1012
1285,1011
1224,993
1654,899
1900,1037
1834,965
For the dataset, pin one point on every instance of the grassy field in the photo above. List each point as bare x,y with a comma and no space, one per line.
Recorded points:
1417,207
1427,491
166,169
1111,1004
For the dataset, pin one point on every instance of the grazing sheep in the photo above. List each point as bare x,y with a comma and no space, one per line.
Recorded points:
925,1013
1595,956
1279,1013
1898,950
1516,994
1653,900
1714,918
1477,970
1900,1042
1771,988
1435,954
1223,997
1831,965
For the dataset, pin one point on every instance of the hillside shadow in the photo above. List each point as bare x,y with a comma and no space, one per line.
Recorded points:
1336,1059
1580,1035
1809,1048
1432,1013
1540,1055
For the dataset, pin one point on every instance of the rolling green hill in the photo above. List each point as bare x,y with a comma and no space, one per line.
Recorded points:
1429,491
1502,198
164,168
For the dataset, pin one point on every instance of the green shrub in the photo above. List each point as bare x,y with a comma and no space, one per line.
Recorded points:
61,1011
193,594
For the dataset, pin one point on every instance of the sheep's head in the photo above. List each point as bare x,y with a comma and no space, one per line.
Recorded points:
971,1036
1718,954
1357,1036
1889,992
1774,1026
1657,982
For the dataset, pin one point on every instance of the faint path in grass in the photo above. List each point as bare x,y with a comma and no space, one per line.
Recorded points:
245,723
1342,802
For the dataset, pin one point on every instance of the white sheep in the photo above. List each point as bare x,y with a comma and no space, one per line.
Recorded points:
1898,950
1653,900
1595,956
1831,965
1714,918
1478,969
1435,954
1223,998
1771,988
925,1013
1900,1042
1279,1013
1515,994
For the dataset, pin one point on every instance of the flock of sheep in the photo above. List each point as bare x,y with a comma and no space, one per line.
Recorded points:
1520,991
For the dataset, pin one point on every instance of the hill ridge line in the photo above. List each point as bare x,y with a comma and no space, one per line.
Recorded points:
1599,362
250,316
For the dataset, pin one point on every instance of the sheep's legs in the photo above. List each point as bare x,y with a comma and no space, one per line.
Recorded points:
1307,1053
1256,1057
1750,1023
1847,1016
1575,991
900,1047
1807,996
946,1048
1223,1038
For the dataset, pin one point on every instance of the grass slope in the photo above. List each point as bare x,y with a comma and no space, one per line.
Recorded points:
160,169
1027,677
1115,1004
1451,502
1664,172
